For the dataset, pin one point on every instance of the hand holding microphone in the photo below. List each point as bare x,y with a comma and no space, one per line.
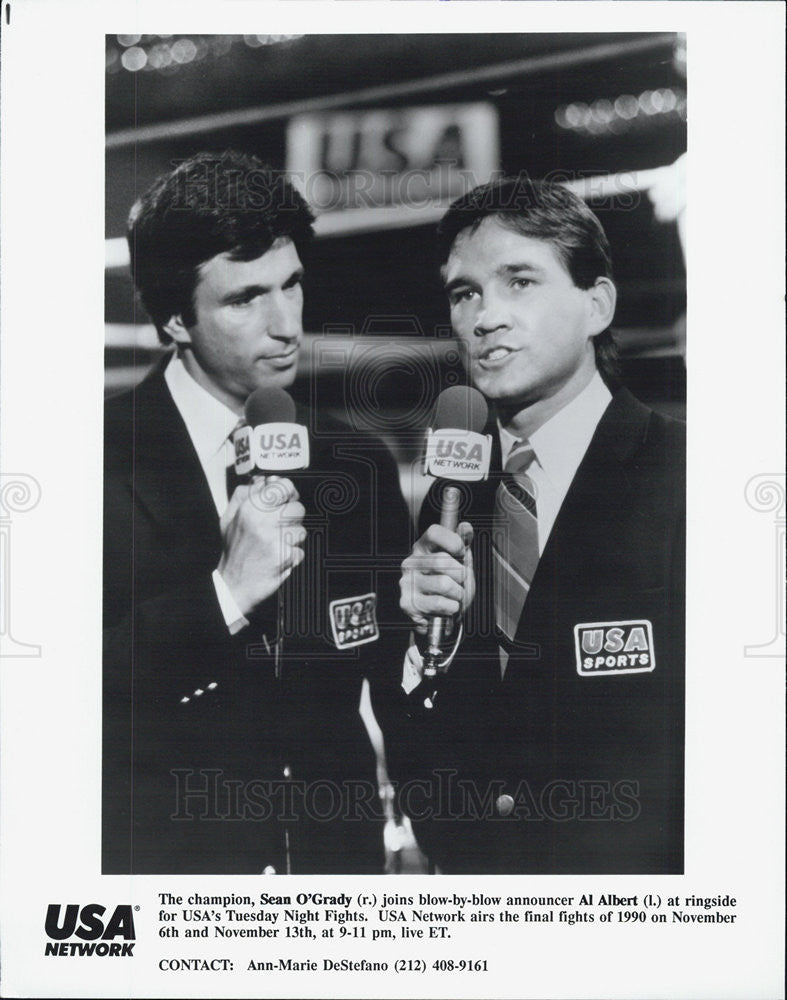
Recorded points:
263,538
437,580
262,527
437,577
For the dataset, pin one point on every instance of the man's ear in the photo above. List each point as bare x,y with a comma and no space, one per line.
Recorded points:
176,328
602,297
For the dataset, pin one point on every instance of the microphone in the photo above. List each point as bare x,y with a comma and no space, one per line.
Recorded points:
456,451
270,441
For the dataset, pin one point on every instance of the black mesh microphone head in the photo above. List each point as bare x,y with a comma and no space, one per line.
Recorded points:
269,406
461,408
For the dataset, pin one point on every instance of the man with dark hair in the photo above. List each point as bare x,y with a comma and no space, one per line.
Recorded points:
240,619
552,740
210,204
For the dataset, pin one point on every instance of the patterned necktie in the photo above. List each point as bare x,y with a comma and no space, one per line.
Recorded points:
233,479
514,540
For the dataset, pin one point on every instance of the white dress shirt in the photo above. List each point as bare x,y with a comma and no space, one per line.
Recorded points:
210,424
560,445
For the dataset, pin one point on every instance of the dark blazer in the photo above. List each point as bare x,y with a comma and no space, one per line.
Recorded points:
573,762
211,762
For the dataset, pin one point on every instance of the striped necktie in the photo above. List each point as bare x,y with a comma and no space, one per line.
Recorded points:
514,540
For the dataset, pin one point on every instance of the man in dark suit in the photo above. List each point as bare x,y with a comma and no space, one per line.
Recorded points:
553,738
240,619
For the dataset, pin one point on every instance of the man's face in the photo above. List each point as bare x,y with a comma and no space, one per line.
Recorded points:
527,327
248,324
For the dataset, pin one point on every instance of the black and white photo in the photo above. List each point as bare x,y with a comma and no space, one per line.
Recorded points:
365,627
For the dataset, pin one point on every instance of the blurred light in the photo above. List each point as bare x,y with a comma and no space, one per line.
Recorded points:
184,51
159,57
167,57
625,113
646,102
603,112
113,60
679,56
221,44
134,59
668,100
395,836
256,41
626,106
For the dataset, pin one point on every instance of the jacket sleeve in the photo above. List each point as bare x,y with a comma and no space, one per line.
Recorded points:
176,687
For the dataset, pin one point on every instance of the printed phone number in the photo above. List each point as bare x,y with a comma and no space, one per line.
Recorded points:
442,965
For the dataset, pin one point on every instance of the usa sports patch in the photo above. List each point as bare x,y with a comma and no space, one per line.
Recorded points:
605,648
354,620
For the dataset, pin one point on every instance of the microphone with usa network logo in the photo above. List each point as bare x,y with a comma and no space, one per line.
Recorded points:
270,442
458,452
268,445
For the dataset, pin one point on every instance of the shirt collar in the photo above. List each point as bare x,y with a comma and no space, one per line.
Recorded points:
208,421
561,442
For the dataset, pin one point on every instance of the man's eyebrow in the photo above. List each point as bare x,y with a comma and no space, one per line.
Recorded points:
507,269
243,292
248,291
297,275
456,283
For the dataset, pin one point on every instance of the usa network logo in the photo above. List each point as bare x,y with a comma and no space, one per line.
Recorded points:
96,931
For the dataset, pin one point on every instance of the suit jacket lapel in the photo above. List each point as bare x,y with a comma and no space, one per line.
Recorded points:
588,514
167,477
